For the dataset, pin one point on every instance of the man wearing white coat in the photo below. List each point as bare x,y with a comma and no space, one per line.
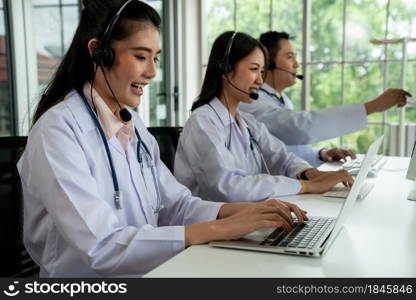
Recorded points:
300,129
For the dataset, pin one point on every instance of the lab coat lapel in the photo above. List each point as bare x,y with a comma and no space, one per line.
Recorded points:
115,144
244,136
141,189
81,115
139,184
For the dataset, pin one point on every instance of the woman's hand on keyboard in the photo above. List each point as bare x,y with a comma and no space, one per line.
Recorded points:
327,180
235,220
244,218
288,207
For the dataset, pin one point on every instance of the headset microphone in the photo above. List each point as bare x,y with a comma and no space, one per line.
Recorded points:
272,66
125,115
294,74
103,55
224,67
253,96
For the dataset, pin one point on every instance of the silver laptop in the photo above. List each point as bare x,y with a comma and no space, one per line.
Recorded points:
315,236
340,191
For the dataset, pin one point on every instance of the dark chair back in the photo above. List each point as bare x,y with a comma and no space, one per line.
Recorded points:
14,259
167,139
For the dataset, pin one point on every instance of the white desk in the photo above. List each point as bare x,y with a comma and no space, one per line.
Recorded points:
378,240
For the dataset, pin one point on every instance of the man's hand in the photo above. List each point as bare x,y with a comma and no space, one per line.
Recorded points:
335,154
386,100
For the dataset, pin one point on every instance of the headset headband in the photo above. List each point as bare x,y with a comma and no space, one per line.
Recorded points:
229,46
106,36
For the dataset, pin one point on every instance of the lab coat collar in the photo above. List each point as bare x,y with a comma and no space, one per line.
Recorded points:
269,90
110,123
75,104
223,113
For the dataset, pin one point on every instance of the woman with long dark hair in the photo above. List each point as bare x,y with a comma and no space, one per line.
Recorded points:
97,199
226,155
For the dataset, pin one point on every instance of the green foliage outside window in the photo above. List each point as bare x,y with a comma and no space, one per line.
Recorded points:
341,70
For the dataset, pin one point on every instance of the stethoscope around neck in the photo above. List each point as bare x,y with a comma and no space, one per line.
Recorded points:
252,140
118,195
254,143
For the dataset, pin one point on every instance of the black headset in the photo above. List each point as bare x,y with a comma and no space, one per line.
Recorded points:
223,65
103,54
272,64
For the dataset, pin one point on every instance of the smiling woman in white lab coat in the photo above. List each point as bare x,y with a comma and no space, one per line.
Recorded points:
226,155
97,199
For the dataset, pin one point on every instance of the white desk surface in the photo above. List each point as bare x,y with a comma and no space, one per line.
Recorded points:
378,240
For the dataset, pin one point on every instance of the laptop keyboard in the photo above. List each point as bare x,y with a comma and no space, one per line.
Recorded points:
340,191
302,236
356,163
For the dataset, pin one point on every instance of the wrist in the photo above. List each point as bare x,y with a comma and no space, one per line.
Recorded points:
371,106
308,174
305,187
323,154
224,211
197,234
229,209
312,173
302,175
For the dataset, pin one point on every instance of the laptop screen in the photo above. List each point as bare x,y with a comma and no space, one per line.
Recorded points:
411,172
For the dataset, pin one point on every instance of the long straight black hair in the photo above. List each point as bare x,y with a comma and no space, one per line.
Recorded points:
77,67
242,46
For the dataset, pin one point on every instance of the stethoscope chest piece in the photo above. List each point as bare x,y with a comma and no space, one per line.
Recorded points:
118,197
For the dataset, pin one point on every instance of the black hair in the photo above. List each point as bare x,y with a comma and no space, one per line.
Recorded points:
242,46
77,66
271,40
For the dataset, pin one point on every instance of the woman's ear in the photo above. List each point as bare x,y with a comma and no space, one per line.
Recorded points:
92,43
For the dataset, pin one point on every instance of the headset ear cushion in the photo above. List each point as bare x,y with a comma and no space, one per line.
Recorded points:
96,55
108,56
272,65
227,68
221,67
102,56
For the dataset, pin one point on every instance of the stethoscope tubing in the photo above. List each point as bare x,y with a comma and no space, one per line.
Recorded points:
117,192
256,144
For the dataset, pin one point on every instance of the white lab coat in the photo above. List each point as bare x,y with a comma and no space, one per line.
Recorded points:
305,127
208,168
71,225
307,152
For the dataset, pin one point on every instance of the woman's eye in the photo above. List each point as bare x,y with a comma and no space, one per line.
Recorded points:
156,59
141,57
